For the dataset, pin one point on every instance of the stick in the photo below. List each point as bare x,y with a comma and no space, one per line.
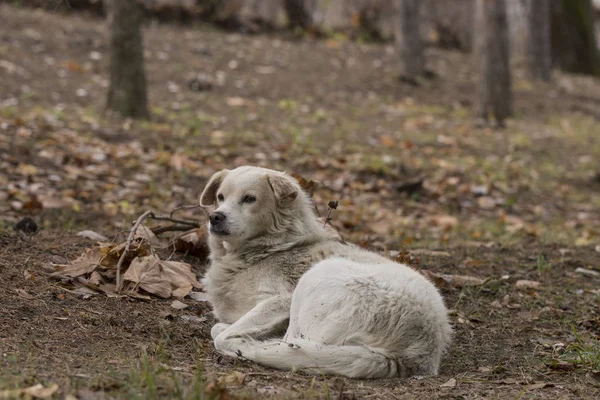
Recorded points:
136,225
171,228
183,208
175,220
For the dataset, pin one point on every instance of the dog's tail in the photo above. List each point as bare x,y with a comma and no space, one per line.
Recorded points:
315,358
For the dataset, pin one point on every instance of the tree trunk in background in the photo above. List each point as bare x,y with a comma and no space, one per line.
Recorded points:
539,54
408,39
127,91
574,47
451,22
299,13
492,60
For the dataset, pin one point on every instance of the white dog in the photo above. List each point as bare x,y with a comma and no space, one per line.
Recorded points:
289,294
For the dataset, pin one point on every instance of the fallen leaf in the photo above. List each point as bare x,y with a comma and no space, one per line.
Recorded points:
486,202
307,185
525,284
445,222
444,280
506,303
470,263
162,278
178,305
145,233
235,101
235,378
193,318
562,366
410,186
84,291
92,236
95,278
193,242
535,386
85,264
387,141
38,391
450,384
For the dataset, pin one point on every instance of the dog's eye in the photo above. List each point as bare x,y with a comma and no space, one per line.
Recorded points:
248,199
220,197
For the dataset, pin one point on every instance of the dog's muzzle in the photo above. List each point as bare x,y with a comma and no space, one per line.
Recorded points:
218,223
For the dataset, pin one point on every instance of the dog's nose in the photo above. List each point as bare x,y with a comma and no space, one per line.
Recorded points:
217,217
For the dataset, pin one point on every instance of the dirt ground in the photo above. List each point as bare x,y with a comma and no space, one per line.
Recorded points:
520,204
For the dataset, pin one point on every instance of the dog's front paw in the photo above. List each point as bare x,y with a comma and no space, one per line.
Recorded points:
218,329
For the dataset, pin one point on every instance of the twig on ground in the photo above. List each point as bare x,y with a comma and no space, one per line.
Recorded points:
192,224
136,225
171,228
184,208
180,225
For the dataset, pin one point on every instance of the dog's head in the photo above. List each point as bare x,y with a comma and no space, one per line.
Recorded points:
248,201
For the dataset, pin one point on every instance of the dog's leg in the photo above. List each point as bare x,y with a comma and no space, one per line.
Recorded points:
268,318
218,328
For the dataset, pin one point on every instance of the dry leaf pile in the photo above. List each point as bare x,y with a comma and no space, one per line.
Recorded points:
144,273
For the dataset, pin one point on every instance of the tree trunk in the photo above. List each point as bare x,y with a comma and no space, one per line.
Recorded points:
574,47
539,54
492,60
127,91
408,39
451,22
299,13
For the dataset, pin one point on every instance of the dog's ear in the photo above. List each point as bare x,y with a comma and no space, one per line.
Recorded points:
284,190
209,195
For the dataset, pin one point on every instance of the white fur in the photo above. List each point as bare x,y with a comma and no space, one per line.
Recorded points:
290,295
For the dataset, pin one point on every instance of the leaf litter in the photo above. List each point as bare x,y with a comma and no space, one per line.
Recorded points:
144,273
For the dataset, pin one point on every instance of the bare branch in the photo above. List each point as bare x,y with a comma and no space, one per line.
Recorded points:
183,208
192,224
171,228
136,225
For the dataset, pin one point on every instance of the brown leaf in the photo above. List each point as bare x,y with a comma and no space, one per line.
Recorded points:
445,222
38,391
193,242
33,204
486,202
387,141
562,366
525,284
431,253
309,186
161,278
535,386
470,263
145,233
85,264
235,378
92,236
95,278
408,259
74,66
178,305
443,280
450,384
506,303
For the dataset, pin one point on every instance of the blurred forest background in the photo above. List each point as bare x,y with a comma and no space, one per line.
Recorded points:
462,137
